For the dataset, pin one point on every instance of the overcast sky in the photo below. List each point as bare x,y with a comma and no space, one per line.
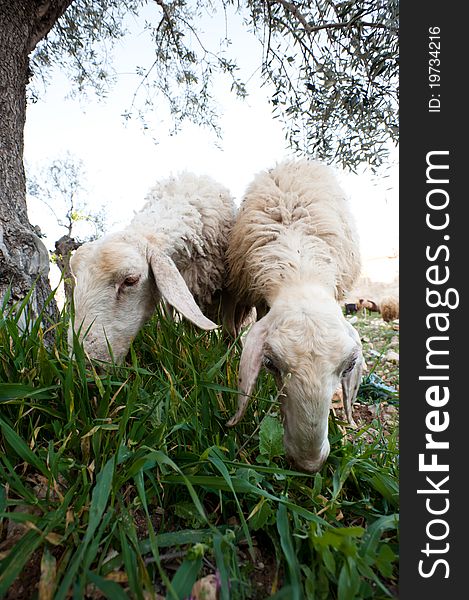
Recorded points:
122,161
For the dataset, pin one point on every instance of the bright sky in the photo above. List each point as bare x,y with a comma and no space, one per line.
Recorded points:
122,161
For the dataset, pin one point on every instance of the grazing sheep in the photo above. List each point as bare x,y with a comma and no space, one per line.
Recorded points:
369,304
389,308
173,250
294,254
351,308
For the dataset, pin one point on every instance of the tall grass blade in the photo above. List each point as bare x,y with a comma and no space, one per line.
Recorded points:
99,500
22,449
283,527
185,577
110,589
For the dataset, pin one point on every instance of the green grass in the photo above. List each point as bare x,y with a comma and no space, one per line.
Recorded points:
129,484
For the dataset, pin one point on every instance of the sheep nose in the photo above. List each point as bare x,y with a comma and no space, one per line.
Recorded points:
94,348
307,466
310,465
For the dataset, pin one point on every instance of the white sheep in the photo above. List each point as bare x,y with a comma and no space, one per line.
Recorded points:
172,251
293,254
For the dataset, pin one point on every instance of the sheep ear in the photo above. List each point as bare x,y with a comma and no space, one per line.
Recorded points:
249,367
351,380
174,290
350,385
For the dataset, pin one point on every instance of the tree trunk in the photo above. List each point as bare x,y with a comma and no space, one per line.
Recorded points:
24,260
63,252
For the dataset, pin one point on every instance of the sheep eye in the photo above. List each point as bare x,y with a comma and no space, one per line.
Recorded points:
128,282
131,280
270,365
350,366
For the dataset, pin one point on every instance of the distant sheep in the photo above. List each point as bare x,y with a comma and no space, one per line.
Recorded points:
294,254
351,308
369,304
173,250
389,308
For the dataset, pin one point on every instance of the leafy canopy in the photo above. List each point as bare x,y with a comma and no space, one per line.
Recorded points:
332,65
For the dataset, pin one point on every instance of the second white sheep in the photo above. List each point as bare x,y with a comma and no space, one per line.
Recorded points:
293,254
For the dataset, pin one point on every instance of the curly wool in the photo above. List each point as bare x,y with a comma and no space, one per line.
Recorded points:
190,218
294,224
389,308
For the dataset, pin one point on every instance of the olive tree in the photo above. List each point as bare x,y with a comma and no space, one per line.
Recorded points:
333,66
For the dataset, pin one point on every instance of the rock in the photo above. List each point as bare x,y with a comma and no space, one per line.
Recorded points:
205,588
392,356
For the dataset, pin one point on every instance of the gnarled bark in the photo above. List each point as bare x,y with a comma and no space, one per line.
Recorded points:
24,260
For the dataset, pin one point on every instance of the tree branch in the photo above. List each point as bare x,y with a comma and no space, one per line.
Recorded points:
47,14
295,12
167,18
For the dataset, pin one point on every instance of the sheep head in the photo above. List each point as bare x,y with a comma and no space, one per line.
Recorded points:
308,346
119,279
